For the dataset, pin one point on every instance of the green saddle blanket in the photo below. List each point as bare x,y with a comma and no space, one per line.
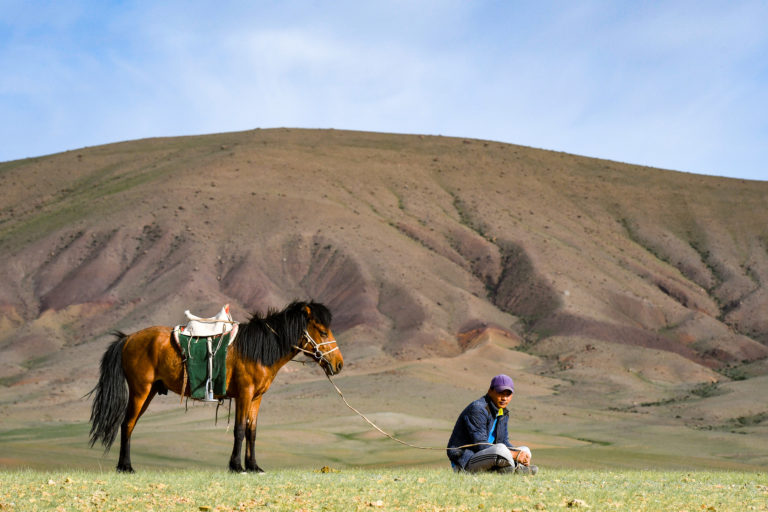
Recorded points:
195,351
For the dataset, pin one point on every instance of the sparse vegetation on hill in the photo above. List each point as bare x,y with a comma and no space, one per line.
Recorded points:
601,287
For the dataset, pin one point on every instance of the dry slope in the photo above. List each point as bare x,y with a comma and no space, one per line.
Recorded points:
634,284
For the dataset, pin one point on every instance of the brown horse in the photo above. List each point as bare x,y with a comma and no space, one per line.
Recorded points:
136,367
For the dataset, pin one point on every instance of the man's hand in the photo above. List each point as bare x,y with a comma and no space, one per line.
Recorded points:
522,457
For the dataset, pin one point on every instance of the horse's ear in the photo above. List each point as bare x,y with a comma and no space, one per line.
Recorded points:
308,311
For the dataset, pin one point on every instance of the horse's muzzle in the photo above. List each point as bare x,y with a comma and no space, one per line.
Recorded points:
333,368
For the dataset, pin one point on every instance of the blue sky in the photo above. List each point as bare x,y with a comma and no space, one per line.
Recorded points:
671,84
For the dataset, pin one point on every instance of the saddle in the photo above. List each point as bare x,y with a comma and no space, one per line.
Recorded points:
203,346
201,327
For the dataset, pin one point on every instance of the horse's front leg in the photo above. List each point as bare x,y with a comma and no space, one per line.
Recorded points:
250,437
242,406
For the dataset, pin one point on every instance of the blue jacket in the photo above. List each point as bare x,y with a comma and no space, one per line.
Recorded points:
473,426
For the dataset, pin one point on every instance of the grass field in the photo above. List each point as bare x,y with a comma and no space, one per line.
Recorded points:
385,489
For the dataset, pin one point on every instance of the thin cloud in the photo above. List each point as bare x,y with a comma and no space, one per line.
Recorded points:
673,85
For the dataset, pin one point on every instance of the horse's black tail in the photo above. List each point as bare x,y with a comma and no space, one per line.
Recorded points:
111,400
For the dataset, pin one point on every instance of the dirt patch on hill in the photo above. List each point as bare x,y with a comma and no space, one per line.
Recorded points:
474,337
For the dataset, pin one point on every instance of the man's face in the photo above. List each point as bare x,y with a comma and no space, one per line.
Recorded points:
500,398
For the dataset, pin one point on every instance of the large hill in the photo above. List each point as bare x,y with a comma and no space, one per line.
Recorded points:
627,302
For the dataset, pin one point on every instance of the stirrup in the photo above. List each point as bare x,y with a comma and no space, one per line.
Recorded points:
209,381
208,392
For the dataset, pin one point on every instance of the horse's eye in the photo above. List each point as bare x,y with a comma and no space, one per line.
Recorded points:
323,333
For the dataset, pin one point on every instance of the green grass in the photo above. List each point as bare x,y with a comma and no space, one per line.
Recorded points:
384,489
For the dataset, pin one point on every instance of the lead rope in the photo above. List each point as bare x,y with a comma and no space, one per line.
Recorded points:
390,435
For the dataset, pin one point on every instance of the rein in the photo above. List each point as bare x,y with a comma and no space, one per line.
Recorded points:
390,435
319,356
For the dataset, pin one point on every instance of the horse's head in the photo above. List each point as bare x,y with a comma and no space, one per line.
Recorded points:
318,341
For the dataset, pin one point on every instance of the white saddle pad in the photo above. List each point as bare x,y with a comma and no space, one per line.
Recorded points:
219,324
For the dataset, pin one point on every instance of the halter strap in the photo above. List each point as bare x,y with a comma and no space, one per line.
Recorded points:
318,355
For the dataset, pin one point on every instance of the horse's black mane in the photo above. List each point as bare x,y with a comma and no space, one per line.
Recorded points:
265,339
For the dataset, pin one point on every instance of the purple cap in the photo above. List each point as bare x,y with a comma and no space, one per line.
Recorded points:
502,383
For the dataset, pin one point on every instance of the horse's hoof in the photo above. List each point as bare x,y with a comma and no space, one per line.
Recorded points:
125,469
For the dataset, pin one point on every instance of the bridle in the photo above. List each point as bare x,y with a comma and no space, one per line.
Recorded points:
318,355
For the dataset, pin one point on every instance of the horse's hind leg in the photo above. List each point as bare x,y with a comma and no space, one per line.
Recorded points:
138,401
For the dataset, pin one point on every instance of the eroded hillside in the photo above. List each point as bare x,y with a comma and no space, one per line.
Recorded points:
635,282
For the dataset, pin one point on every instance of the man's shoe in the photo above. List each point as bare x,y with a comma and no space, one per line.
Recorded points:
526,470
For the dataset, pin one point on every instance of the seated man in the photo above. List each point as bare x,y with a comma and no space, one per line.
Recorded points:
485,421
